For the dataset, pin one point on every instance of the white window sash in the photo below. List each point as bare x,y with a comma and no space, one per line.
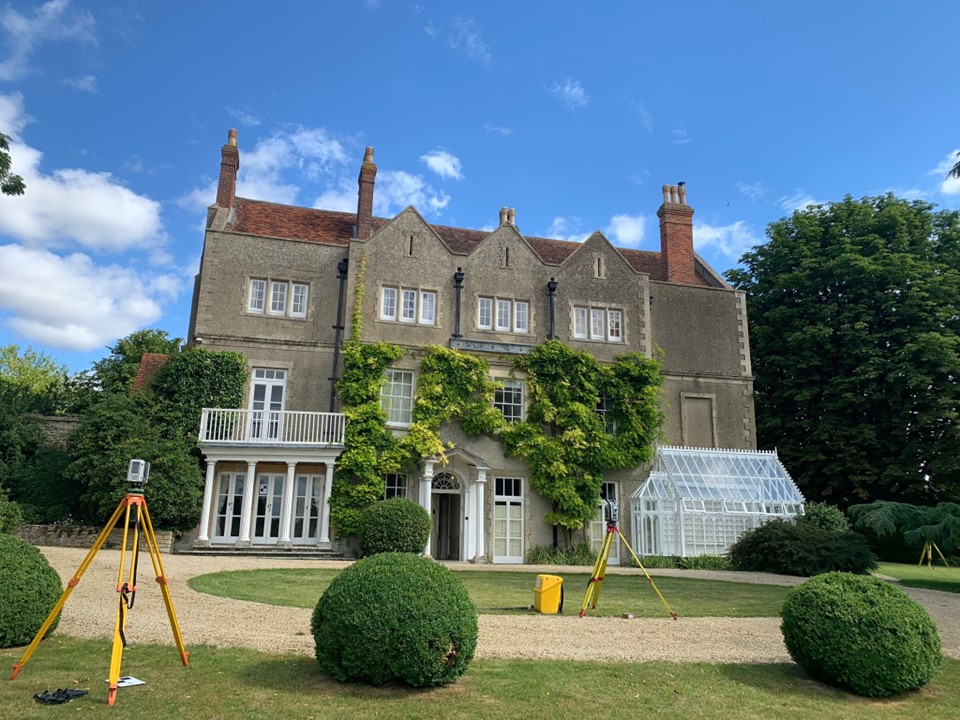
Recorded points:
503,315
580,322
408,311
278,298
614,325
597,324
298,305
258,296
388,304
428,307
521,316
485,313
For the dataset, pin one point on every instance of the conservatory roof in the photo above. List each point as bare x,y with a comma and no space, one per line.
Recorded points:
710,474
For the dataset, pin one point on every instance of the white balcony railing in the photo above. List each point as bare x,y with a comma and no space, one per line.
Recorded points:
268,427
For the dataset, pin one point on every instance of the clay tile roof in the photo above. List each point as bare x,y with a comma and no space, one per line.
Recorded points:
150,363
254,217
644,261
552,252
460,240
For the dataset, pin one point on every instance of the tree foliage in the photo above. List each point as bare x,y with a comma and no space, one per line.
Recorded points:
116,372
855,327
10,183
916,524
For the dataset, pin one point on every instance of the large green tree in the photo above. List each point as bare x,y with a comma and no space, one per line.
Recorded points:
10,184
116,372
854,311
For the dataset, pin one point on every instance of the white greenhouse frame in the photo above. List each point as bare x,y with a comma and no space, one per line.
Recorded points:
699,501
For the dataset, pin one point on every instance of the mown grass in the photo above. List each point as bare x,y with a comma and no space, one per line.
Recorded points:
507,592
231,684
946,579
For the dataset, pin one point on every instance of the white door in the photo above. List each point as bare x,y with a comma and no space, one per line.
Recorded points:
508,520
266,403
267,508
229,506
307,496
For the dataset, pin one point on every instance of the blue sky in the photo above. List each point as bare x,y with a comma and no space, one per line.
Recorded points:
573,113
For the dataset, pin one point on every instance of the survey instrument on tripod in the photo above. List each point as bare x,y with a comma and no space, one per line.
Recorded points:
133,508
595,583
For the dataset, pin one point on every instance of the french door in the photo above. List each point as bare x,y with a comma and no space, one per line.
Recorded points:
266,403
307,497
508,520
268,507
229,506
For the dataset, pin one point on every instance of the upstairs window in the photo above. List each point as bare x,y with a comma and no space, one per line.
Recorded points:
258,296
284,298
298,303
509,400
415,306
409,311
388,304
428,308
521,317
597,323
503,315
396,397
278,297
580,322
485,313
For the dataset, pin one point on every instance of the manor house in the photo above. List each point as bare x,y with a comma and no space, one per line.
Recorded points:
278,284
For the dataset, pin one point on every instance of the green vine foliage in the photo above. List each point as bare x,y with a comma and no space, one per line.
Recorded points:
564,439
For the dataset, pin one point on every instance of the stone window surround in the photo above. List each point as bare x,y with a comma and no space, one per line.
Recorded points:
261,289
400,294
589,334
494,325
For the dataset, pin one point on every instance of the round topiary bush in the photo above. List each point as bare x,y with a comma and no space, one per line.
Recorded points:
29,588
824,516
395,617
394,525
861,634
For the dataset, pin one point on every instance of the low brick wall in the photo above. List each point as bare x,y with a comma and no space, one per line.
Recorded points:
84,537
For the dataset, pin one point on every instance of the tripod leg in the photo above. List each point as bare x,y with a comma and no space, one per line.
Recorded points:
120,625
596,577
605,557
74,581
647,575
941,555
163,581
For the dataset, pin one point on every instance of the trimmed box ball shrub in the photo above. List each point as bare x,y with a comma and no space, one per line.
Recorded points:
394,525
861,634
29,588
801,549
395,617
825,516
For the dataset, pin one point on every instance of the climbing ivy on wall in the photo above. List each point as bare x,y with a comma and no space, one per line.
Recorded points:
563,439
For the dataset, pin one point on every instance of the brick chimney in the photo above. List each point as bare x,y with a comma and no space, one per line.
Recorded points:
229,165
676,236
368,174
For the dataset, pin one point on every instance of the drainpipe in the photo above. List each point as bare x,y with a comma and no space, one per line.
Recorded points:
338,328
552,289
458,286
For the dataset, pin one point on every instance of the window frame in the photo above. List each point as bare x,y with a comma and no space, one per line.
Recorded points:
611,312
426,295
284,287
263,285
304,288
384,293
503,304
392,374
481,303
514,387
405,294
581,313
394,485
517,304
598,323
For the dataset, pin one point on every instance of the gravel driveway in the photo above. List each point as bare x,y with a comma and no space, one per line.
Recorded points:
205,619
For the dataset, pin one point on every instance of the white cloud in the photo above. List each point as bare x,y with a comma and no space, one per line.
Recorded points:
505,131
245,116
341,197
626,230
753,191
50,22
87,83
444,163
680,136
465,37
731,240
571,92
799,200
948,185
70,303
396,189
273,169
13,117
566,228
646,119
70,205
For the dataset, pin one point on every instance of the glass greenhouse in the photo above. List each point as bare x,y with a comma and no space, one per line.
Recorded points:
698,501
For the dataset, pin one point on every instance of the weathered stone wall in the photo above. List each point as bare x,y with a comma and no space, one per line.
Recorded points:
84,537
56,428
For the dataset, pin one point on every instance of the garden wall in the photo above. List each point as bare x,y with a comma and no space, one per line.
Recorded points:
84,537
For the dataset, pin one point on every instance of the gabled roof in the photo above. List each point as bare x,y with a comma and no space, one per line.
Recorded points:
150,363
329,227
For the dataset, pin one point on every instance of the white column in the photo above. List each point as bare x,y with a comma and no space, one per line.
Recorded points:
287,510
426,484
479,513
468,538
325,508
246,512
204,536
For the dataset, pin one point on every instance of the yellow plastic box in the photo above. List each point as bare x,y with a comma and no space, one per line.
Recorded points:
548,594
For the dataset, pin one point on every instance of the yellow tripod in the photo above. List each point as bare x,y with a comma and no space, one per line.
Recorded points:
134,509
927,554
600,569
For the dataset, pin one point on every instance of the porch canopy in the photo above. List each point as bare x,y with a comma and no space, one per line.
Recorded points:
699,501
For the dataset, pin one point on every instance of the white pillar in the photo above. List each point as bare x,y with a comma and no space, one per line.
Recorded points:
479,513
286,511
325,508
204,536
468,537
246,512
426,485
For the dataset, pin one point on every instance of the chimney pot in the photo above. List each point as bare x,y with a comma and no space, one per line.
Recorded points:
503,216
677,259
512,216
232,137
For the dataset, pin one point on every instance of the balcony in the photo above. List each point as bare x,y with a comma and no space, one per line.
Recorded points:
256,428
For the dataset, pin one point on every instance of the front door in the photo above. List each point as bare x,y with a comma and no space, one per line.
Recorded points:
266,403
307,496
446,527
229,506
268,506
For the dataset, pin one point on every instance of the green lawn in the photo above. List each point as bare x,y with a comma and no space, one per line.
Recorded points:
939,577
232,684
497,592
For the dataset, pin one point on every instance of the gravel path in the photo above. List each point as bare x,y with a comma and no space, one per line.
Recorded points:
205,619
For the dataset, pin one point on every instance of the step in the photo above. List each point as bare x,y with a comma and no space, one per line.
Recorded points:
278,553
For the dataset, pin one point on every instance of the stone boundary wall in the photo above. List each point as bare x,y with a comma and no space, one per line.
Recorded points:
56,428
84,537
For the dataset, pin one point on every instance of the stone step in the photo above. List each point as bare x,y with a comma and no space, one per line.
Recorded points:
266,552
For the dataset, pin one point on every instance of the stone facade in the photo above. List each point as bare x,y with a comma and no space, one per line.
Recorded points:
277,284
